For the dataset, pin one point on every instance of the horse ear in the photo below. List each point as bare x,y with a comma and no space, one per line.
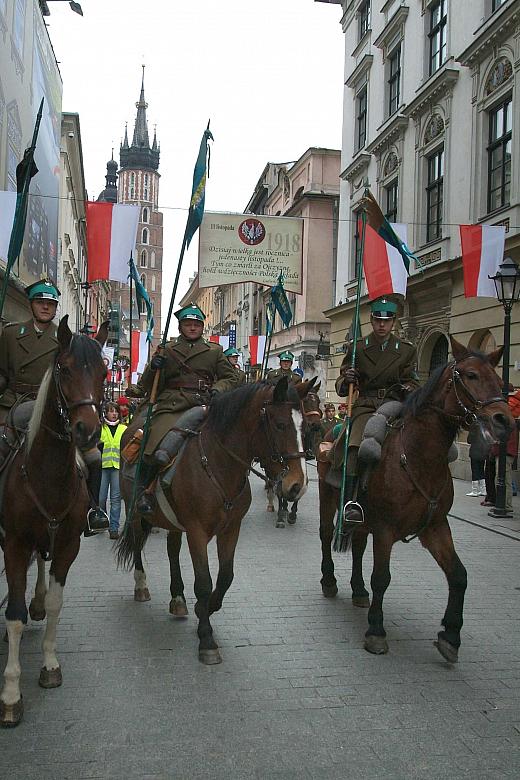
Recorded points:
459,350
280,391
496,356
64,333
317,387
302,388
102,334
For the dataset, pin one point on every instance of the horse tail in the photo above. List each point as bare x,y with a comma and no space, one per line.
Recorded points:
131,542
343,543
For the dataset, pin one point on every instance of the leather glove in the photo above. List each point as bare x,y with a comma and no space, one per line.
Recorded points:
158,362
351,376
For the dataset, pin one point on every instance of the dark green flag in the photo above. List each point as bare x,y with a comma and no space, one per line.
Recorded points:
25,170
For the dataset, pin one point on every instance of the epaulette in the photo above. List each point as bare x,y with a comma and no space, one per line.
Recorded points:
11,324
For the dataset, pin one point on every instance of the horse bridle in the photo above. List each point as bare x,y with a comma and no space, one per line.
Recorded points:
314,413
64,405
469,416
277,457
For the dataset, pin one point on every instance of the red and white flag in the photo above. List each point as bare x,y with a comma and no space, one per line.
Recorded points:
222,340
139,354
385,271
111,235
256,349
482,253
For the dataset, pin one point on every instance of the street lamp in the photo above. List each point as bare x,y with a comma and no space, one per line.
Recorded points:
507,285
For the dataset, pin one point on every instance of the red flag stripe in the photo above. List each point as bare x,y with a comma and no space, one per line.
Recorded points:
375,262
99,231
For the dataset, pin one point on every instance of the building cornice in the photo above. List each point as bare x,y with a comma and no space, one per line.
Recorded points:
392,129
437,85
491,32
392,28
356,166
363,67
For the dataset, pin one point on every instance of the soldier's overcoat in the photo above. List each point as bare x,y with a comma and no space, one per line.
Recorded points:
380,370
25,356
274,376
192,369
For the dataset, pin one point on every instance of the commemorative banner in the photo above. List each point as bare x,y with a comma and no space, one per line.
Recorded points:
237,248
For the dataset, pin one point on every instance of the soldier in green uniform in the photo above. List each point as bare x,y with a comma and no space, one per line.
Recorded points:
286,361
232,355
192,371
27,350
385,369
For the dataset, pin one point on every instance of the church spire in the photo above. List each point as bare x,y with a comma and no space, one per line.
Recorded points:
141,139
140,154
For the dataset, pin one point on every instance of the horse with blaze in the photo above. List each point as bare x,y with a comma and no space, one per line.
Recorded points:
410,491
45,501
209,492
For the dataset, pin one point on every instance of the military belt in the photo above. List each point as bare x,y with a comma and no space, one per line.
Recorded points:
22,387
380,393
196,385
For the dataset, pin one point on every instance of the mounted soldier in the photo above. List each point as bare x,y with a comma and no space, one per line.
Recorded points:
385,370
286,361
232,355
27,351
192,370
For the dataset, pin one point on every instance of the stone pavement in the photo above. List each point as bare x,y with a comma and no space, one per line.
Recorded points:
296,696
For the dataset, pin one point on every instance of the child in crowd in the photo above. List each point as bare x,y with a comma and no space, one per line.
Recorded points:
111,433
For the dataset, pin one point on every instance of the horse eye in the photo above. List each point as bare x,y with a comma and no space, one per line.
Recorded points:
280,426
471,375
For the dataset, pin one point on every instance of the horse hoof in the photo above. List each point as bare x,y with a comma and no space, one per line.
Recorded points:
11,714
142,594
270,508
36,613
448,651
178,607
361,601
50,678
377,645
291,519
210,657
329,591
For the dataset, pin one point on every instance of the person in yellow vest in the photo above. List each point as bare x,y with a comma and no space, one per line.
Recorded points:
111,433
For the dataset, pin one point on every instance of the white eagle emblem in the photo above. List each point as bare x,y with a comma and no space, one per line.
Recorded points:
252,232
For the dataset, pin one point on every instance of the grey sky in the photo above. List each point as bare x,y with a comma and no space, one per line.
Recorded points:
269,74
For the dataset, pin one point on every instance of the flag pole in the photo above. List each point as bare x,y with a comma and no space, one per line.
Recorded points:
267,352
26,169
341,539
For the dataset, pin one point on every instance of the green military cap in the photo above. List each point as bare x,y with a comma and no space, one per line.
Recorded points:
330,406
231,351
383,309
43,289
191,312
287,355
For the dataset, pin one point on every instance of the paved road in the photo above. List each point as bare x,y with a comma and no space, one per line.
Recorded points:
296,697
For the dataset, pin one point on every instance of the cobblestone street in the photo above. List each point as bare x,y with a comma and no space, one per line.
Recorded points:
297,696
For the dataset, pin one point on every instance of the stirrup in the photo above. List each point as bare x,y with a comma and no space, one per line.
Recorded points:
97,521
355,508
146,504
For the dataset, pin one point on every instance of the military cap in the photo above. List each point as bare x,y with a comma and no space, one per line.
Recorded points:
383,309
287,355
330,406
43,289
191,312
231,351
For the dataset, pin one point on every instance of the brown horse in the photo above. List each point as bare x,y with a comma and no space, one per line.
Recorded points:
210,492
45,501
410,492
312,415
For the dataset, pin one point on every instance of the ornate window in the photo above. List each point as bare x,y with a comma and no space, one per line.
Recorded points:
145,214
439,356
391,195
499,155
145,236
502,71
361,118
434,128
394,80
434,195
437,34
142,259
391,164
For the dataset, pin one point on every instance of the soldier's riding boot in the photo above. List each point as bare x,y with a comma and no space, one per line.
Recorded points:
170,444
353,511
146,503
97,519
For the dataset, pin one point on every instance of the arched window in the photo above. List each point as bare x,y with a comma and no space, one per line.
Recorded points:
142,261
145,214
132,186
145,187
153,283
145,236
439,354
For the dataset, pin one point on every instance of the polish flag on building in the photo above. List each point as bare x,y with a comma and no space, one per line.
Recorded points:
111,236
385,271
256,349
222,340
482,253
138,354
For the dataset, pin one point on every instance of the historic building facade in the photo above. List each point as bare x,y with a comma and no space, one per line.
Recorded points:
431,123
137,182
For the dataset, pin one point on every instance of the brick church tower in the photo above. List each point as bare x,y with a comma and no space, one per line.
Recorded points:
138,183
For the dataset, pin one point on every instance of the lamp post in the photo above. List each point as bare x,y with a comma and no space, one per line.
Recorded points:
507,285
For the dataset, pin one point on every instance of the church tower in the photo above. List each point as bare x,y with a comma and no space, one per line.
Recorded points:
139,184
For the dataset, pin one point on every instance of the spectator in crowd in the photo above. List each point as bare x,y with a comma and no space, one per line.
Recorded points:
111,433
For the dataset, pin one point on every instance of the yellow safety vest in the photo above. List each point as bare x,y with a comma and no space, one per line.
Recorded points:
111,446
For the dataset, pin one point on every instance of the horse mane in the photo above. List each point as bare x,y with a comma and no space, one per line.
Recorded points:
39,406
420,398
225,407
84,350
